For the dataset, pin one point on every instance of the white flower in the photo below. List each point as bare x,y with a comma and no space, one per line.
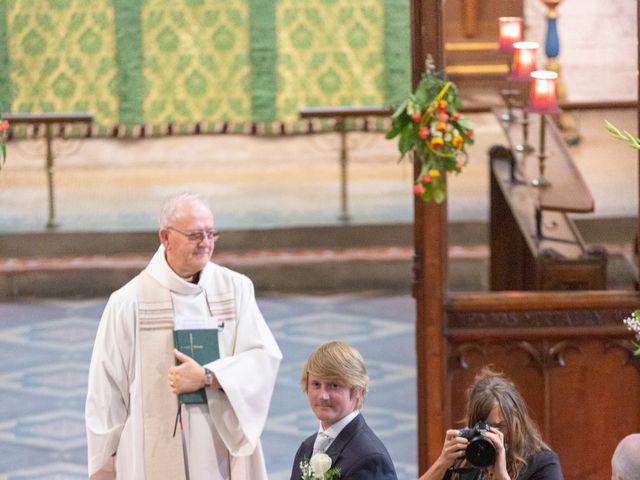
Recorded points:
633,322
320,463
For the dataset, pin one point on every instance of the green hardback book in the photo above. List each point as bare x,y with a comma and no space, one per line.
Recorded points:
202,346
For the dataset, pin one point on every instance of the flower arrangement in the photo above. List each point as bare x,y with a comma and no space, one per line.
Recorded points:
633,323
318,468
429,124
4,125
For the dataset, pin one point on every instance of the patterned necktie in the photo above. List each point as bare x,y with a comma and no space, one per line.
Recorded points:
322,443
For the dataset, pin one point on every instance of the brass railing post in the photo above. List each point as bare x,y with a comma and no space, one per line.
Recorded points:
48,119
341,114
341,126
51,222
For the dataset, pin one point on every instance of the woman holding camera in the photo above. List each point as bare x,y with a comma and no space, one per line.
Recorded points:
520,453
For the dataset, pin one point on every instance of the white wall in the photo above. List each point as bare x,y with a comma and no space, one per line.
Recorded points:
598,46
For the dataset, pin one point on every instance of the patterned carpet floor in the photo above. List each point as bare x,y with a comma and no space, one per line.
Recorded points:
45,348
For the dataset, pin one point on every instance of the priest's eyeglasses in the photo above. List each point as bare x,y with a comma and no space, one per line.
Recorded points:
198,236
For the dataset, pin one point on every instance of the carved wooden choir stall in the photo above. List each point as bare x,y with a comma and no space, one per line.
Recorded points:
535,245
549,324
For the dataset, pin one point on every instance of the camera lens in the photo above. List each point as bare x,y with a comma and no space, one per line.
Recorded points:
480,452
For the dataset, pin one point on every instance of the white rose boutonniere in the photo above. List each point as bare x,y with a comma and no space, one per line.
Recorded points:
318,468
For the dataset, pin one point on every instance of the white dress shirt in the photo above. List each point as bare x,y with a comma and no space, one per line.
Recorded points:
325,438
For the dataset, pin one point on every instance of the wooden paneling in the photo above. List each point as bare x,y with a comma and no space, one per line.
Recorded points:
583,407
571,358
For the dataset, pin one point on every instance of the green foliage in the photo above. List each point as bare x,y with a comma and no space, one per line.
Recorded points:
622,135
331,473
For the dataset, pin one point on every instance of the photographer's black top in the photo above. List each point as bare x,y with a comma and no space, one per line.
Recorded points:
544,465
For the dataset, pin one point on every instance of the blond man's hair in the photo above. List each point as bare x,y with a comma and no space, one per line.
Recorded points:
340,362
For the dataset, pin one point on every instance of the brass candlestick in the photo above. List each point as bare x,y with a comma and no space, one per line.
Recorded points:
543,101
524,147
524,62
541,181
509,96
509,32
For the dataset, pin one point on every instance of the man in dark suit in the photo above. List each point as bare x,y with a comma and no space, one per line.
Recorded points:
335,380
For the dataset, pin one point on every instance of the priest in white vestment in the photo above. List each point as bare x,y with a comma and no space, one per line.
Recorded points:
135,429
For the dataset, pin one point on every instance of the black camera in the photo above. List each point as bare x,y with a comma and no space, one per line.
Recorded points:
480,452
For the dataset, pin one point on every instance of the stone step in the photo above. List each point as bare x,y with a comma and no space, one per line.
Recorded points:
68,243
296,259
71,243
282,270
325,269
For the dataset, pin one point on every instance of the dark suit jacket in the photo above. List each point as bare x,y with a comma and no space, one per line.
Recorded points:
356,451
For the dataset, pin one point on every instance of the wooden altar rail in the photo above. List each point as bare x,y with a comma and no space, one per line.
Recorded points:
569,355
535,245
48,120
341,114
567,192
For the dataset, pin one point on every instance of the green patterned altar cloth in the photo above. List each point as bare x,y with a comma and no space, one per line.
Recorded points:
158,66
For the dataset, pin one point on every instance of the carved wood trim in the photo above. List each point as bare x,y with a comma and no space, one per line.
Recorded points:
548,300
628,346
544,355
537,319
548,355
501,315
458,358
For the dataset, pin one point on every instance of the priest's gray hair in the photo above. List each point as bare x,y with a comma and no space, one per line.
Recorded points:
168,211
625,463
341,362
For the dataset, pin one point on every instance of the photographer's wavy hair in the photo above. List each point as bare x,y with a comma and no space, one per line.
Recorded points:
341,362
522,439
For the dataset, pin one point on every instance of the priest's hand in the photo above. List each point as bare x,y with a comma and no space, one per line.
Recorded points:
188,376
